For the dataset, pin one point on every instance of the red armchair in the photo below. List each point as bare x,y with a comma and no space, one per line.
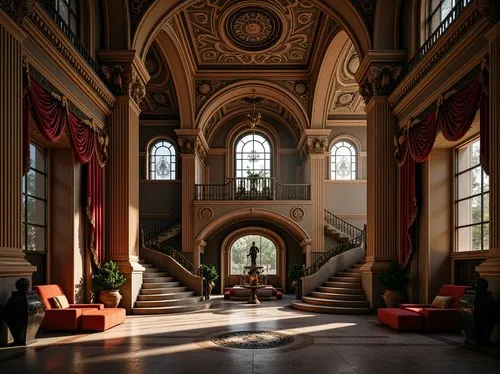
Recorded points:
440,319
68,319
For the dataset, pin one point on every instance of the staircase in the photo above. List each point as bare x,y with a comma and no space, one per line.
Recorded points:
162,294
340,294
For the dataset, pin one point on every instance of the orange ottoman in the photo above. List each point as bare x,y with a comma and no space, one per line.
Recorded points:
400,319
101,320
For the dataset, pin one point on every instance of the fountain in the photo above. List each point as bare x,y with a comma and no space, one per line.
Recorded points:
254,273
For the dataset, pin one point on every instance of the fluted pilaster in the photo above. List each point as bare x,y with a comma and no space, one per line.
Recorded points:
490,269
12,261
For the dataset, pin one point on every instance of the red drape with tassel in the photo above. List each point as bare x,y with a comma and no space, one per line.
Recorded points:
52,117
453,118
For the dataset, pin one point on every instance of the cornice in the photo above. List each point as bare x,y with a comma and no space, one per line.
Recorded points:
439,56
11,27
47,36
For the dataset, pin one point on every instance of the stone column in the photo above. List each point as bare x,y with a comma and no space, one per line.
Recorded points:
378,76
490,269
13,264
126,78
193,148
314,146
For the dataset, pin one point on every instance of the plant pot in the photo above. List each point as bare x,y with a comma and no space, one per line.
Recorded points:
110,299
393,298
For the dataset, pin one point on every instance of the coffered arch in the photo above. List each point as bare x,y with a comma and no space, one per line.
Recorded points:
154,16
240,90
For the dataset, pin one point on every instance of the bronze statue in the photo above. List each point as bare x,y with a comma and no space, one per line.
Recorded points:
253,254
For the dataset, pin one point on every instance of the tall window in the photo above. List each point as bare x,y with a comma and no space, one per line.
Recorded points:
69,12
253,156
472,200
162,160
34,214
439,10
343,161
267,256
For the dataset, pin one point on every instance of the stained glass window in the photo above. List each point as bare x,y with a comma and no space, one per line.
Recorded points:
343,161
162,160
253,156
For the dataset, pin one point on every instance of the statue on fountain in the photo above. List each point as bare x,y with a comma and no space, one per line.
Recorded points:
254,250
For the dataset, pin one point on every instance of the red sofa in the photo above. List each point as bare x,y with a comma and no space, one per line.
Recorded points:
72,318
432,319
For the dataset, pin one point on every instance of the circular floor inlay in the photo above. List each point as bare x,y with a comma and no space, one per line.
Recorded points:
253,339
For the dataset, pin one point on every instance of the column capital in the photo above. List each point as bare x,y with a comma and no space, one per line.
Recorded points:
380,73
192,141
313,141
125,73
18,10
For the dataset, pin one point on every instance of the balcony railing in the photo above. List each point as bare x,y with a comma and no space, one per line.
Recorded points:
438,33
48,5
253,188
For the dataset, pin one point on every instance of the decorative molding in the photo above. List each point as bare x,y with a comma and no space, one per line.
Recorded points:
297,214
381,80
301,89
46,27
18,10
314,145
235,33
192,142
206,214
124,73
205,89
448,41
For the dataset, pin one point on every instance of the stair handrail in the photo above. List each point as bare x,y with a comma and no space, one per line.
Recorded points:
170,251
343,226
163,223
335,251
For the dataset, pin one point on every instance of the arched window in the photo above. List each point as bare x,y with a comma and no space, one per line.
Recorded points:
343,164
267,256
253,156
162,160
439,10
69,12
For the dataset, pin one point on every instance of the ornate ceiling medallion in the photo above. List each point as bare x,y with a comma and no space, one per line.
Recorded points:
253,28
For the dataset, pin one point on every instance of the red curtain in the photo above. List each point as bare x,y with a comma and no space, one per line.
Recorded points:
82,139
51,118
453,118
95,209
407,181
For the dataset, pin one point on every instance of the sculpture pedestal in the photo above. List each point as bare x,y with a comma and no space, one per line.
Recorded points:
253,295
253,283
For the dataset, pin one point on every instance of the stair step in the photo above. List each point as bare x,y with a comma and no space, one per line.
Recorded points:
338,296
343,284
300,305
152,271
336,303
160,285
151,280
148,275
341,290
345,279
172,309
165,296
158,291
356,266
164,303
350,274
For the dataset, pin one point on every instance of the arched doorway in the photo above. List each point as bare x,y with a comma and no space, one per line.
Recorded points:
272,255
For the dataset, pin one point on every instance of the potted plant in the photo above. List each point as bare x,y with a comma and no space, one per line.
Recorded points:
209,273
294,274
395,280
109,279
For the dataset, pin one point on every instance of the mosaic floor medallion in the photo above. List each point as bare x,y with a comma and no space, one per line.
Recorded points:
253,339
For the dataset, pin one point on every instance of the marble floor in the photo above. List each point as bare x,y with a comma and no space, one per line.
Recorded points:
185,344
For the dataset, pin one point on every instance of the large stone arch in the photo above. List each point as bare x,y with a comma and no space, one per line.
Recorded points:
182,78
249,88
254,214
343,11
326,79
